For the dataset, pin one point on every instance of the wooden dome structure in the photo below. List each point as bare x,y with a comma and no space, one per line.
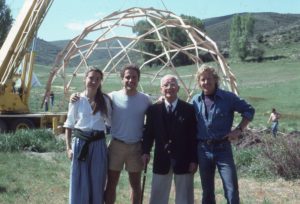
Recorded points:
110,43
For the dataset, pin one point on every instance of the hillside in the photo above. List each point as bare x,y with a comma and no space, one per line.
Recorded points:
276,29
218,28
47,51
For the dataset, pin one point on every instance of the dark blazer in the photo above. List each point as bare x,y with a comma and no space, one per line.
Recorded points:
175,146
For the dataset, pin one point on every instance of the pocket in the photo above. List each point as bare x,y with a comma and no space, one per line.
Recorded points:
220,118
221,114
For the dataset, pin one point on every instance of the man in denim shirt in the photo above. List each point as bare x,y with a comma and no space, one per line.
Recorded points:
215,112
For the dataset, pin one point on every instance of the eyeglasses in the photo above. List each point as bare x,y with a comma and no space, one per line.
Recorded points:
171,85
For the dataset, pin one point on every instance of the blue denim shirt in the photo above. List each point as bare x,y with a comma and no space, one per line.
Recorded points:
220,116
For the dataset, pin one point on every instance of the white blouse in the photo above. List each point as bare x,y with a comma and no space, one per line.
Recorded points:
80,115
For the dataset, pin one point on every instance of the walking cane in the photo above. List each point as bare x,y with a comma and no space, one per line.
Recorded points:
143,184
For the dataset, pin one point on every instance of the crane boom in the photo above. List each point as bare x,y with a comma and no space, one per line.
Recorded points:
15,50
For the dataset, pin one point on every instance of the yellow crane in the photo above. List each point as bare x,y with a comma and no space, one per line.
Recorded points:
16,52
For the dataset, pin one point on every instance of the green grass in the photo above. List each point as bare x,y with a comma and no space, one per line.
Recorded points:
37,140
30,179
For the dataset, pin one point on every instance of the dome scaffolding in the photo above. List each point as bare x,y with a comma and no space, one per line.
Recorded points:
110,43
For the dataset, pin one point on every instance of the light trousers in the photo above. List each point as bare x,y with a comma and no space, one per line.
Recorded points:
161,186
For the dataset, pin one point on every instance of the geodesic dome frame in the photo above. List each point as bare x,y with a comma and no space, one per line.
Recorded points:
114,44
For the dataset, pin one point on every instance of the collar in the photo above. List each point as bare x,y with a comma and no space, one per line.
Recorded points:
218,94
174,104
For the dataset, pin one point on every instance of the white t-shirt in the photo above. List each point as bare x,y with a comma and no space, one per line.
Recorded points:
128,115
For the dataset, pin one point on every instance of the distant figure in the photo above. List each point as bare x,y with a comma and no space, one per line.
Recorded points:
46,103
20,91
13,85
274,118
51,99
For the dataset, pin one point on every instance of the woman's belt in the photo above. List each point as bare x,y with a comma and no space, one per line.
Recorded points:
88,137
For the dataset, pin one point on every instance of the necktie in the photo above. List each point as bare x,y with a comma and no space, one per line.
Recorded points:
170,108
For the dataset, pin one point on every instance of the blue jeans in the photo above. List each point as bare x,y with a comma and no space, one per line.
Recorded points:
220,155
275,128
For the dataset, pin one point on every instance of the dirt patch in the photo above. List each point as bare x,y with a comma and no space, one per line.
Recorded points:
47,156
277,191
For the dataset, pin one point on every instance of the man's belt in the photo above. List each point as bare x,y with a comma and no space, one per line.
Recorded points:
121,141
213,141
87,136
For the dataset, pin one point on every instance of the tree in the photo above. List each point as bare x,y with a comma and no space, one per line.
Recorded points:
5,21
241,30
142,27
175,34
194,21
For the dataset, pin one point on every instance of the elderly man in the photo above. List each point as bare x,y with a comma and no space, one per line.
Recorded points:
171,123
215,112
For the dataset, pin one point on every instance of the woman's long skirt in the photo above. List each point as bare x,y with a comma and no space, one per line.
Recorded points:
88,178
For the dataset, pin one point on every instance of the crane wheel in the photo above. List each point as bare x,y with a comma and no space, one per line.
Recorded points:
22,123
3,126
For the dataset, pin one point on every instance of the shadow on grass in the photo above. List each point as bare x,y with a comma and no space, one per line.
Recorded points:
3,189
255,98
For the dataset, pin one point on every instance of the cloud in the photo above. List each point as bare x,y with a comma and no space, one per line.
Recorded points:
79,25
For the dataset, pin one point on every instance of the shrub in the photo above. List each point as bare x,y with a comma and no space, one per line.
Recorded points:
37,140
249,162
284,156
257,53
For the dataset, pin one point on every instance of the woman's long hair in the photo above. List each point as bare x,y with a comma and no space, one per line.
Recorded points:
100,103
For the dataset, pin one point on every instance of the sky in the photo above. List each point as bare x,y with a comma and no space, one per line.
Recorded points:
67,18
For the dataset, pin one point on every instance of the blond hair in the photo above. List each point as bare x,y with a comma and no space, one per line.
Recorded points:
209,69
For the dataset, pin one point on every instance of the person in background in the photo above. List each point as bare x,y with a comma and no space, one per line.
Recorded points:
274,118
86,120
51,96
215,110
171,123
46,102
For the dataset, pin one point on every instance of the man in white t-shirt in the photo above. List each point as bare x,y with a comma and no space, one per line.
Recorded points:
129,108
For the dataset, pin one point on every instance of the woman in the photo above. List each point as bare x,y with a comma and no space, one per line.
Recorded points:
87,118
